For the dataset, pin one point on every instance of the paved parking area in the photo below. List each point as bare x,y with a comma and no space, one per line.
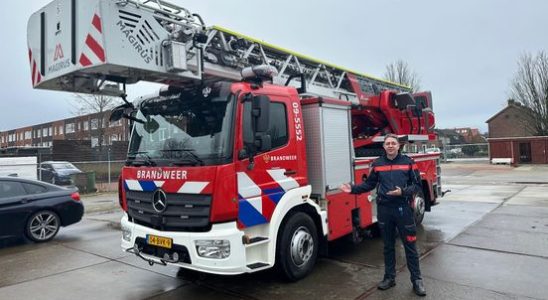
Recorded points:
487,239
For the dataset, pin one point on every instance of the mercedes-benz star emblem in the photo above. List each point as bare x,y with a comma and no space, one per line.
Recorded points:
159,201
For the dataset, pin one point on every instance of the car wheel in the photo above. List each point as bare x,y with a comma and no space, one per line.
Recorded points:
42,226
298,246
419,207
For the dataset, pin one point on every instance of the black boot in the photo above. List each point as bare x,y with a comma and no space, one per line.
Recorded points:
418,288
386,284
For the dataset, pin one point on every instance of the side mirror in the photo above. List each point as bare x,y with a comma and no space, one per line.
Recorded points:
116,114
120,111
260,111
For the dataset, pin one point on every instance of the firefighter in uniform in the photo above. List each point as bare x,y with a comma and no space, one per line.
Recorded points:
397,179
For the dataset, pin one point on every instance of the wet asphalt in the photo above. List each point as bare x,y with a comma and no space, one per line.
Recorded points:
487,239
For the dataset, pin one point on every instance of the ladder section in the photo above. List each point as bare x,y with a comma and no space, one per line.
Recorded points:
227,50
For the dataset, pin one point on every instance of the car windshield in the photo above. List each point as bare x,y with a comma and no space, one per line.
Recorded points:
63,166
184,128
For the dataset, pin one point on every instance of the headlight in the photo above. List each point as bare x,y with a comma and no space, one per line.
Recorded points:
213,248
126,233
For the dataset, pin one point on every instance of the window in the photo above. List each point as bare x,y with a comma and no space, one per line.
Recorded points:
94,142
94,124
61,129
50,131
11,189
278,123
44,132
86,126
69,128
28,135
34,188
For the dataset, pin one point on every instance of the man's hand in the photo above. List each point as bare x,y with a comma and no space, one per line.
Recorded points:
345,187
396,192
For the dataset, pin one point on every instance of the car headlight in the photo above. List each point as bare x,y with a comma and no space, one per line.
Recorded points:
126,233
213,248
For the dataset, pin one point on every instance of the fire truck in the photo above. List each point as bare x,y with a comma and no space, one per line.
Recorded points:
234,166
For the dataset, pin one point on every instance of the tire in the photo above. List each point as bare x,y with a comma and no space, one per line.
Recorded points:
419,207
298,246
42,226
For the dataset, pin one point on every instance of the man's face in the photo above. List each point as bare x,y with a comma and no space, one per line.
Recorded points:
391,146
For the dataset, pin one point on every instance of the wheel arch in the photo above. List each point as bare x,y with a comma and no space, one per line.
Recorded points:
296,200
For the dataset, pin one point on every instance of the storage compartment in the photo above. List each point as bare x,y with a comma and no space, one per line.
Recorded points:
328,144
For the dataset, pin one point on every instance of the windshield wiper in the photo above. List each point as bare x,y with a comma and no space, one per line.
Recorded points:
190,157
147,160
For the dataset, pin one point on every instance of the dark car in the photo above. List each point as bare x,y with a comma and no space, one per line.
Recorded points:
36,209
57,172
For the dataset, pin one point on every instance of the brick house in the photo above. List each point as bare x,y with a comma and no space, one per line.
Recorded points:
513,120
86,127
511,137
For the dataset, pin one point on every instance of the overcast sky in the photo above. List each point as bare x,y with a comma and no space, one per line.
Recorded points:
464,51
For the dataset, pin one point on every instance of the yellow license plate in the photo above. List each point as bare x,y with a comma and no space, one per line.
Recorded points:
159,241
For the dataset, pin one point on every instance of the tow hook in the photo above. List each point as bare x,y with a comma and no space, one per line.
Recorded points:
174,258
151,261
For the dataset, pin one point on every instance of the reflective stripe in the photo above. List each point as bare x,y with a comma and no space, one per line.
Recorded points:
391,168
395,168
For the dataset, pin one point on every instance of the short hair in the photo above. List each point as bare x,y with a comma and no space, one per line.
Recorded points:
391,135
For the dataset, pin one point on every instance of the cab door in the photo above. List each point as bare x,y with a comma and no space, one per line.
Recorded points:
270,173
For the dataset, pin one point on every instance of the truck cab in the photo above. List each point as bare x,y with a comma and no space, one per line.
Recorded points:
226,157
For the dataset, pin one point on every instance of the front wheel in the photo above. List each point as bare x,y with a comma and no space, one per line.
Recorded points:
298,246
419,207
42,226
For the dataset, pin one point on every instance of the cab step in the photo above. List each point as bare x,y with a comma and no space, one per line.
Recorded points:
258,240
258,265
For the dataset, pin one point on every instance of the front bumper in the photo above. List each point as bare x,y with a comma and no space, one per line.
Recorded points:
235,263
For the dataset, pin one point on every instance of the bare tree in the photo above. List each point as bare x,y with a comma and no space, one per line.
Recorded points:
530,88
97,105
400,72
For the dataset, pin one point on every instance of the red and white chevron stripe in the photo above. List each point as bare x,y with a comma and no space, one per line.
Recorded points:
93,51
36,77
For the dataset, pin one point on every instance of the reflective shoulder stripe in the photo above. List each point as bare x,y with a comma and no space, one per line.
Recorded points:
392,168
382,168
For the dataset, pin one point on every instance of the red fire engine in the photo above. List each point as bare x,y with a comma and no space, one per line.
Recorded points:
234,166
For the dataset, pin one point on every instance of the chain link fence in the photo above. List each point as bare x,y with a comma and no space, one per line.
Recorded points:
90,169
465,152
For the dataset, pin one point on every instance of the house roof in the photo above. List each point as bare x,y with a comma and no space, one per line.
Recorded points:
510,105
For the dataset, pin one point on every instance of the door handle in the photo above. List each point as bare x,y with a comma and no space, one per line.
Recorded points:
290,172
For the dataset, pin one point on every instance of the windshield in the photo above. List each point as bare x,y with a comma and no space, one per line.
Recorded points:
63,166
186,128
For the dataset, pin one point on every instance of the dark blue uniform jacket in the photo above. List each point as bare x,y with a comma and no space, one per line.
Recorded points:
386,175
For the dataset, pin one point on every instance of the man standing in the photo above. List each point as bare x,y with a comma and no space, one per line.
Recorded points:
397,180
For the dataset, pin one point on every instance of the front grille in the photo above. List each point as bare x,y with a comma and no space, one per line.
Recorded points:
184,212
160,252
